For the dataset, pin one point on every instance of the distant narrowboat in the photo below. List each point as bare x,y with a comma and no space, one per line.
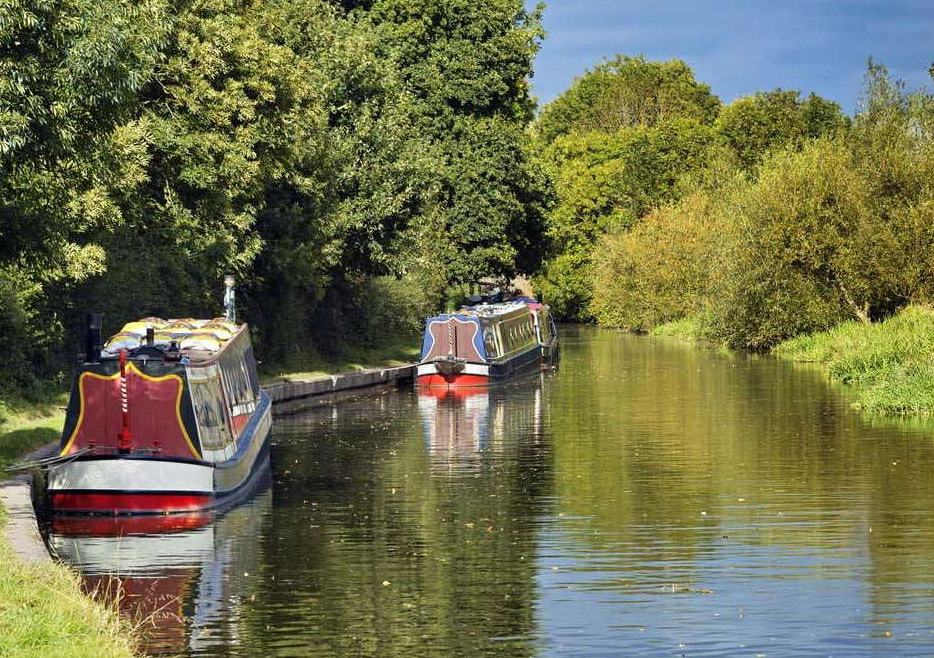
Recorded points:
167,417
487,343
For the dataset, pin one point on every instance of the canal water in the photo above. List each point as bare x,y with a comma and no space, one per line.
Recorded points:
650,498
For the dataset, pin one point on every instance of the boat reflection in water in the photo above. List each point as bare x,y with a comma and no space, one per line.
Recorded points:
461,424
175,575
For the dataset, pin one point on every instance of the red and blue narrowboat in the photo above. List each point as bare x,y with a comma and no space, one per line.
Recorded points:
486,343
168,416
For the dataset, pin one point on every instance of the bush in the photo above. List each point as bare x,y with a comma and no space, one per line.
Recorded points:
801,253
658,271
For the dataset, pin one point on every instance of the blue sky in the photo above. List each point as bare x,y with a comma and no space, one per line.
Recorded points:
739,47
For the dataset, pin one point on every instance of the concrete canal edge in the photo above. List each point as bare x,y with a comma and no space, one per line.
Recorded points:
294,395
21,531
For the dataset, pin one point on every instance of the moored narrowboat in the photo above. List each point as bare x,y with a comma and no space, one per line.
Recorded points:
486,343
168,416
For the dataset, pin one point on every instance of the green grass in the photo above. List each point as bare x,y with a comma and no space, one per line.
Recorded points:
311,365
43,612
889,364
683,329
29,424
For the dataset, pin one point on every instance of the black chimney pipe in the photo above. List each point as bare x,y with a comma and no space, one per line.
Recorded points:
92,337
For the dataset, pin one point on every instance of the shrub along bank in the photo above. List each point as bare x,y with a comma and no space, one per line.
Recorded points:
819,230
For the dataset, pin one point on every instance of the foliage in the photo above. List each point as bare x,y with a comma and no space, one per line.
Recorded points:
755,125
889,363
625,92
801,254
658,271
465,67
604,183
146,151
812,220
839,229
69,72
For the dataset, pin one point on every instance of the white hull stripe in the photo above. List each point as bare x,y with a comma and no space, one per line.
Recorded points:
131,475
469,369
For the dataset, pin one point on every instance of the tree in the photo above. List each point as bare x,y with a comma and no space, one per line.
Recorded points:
465,66
605,183
624,92
70,74
754,125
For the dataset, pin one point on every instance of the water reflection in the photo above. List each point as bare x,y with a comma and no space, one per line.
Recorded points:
181,578
461,424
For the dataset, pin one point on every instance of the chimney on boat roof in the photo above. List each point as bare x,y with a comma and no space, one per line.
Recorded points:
230,310
92,337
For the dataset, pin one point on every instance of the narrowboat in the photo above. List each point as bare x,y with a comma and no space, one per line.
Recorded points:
486,343
167,416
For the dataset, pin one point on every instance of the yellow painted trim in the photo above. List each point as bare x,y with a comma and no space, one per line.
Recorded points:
131,365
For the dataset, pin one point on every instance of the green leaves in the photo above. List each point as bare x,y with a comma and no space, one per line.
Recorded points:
755,125
626,92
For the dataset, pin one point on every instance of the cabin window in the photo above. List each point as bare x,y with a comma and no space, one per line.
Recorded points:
208,401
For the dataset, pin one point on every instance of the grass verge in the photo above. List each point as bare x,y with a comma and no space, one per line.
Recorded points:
890,364
29,424
683,329
311,365
43,612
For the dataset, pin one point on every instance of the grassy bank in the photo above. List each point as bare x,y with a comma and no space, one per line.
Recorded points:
43,612
683,329
890,364
27,424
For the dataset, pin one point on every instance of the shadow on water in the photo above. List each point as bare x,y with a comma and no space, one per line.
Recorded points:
652,498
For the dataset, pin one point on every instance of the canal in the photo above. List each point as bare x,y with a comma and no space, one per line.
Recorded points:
651,498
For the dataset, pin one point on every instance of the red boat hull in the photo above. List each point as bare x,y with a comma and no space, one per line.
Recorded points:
437,380
130,502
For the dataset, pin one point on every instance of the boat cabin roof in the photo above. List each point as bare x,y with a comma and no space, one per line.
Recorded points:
497,310
197,339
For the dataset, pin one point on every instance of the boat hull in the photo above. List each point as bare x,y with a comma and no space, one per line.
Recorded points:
482,374
118,484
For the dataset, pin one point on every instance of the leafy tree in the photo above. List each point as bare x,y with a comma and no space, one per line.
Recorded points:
754,125
465,65
605,183
70,73
627,91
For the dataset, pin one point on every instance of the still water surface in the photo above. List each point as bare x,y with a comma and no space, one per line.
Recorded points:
649,499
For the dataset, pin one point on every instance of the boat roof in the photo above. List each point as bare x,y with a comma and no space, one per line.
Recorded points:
501,308
200,339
